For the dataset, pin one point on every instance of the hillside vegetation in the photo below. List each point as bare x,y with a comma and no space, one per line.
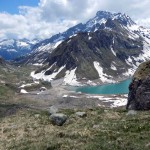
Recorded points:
100,129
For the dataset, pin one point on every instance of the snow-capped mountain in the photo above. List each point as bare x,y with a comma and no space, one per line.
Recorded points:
102,20
11,48
92,25
108,47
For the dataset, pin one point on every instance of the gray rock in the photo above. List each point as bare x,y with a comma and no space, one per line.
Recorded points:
96,126
42,89
58,119
131,112
53,110
139,89
37,115
105,111
81,114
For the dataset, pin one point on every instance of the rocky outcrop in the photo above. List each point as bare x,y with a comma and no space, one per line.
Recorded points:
58,119
139,89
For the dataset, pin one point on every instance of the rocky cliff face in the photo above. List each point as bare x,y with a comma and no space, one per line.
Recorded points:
102,21
139,89
109,48
103,55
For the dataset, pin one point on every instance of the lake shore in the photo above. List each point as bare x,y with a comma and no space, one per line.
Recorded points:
63,96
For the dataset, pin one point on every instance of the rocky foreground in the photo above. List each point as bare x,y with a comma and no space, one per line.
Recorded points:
139,95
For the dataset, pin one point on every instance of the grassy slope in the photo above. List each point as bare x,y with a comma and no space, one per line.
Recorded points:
33,130
10,78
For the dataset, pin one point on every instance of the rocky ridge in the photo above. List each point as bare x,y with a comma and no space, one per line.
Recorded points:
139,89
102,20
108,48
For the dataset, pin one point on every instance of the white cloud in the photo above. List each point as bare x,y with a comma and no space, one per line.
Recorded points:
144,22
53,16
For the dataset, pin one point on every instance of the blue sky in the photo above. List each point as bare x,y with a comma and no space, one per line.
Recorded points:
11,6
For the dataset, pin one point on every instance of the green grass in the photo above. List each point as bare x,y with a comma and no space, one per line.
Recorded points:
6,92
115,130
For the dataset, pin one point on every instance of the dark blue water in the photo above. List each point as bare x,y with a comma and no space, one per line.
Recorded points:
114,88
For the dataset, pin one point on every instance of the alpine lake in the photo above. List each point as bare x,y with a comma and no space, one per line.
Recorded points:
113,88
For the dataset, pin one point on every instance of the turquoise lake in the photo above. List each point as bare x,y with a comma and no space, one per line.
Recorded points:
114,88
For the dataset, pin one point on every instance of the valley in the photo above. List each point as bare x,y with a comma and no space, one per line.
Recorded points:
79,89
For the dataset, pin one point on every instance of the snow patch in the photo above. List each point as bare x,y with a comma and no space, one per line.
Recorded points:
129,61
133,27
65,96
42,75
22,44
130,72
116,101
89,82
90,38
26,85
57,44
70,78
95,30
111,48
37,64
103,77
23,91
119,102
69,41
113,67
45,47
72,35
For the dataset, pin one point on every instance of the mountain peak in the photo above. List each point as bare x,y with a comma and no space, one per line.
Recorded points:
121,17
104,14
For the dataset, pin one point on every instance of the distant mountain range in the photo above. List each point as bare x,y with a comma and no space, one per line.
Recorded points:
11,48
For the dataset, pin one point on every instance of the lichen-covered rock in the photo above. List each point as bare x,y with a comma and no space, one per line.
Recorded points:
139,89
58,119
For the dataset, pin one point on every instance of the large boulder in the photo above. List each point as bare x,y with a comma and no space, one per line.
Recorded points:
58,119
139,89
